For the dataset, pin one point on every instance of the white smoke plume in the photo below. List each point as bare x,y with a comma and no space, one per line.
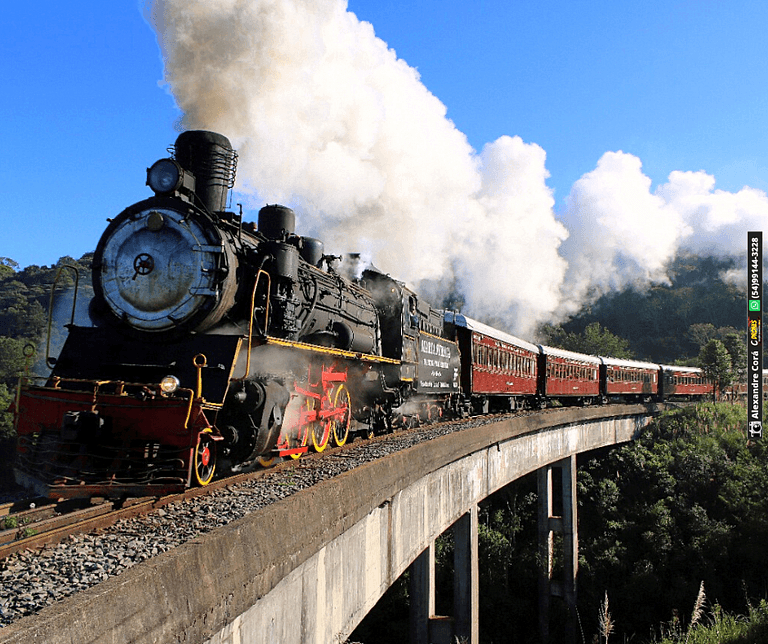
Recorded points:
326,119
623,233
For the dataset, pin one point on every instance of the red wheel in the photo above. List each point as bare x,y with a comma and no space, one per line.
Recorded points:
321,432
342,415
303,438
205,459
267,461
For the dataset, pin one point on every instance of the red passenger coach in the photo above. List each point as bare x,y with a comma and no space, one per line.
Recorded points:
502,372
572,378
629,380
687,383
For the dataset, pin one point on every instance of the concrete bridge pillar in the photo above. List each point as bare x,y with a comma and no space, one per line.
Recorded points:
466,589
422,595
557,513
425,626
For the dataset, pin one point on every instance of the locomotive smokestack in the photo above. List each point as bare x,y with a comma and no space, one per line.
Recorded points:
210,157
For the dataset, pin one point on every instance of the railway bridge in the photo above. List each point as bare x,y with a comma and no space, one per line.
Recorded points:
310,567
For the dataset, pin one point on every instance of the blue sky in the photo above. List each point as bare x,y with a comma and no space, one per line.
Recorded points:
683,85
680,85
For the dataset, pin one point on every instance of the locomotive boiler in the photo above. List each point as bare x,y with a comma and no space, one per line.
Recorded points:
220,343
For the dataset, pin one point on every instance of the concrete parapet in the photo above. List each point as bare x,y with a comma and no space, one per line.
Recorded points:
308,568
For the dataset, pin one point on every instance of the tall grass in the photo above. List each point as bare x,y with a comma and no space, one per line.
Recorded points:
720,627
604,621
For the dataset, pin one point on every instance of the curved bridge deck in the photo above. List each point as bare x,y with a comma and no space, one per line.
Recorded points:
308,568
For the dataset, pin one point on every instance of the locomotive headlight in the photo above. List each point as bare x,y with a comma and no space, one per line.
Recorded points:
169,384
165,176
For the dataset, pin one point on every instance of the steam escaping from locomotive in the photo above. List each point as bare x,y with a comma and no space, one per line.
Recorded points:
326,118
624,233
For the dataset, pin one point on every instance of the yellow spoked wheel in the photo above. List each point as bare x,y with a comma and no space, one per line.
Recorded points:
303,436
342,415
205,459
267,461
321,430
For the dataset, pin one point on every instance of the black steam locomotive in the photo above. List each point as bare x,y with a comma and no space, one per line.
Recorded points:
217,343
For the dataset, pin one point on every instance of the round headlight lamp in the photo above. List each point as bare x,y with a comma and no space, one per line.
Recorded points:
165,176
169,384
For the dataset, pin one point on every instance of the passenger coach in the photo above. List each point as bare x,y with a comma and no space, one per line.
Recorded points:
685,383
501,373
572,378
629,380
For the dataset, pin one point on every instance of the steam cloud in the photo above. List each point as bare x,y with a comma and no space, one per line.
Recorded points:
326,119
622,233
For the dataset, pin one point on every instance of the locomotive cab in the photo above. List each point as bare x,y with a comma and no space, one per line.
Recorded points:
413,333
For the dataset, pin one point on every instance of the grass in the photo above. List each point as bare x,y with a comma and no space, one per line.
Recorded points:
719,627
715,627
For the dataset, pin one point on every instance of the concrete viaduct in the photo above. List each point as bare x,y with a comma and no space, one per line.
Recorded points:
310,567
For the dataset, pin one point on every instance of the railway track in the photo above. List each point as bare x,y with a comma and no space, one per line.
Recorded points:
38,522
34,523
53,522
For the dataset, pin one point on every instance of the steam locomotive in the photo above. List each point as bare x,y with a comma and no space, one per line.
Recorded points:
219,345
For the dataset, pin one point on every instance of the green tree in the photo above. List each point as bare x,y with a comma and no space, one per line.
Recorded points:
657,321
6,417
736,347
686,502
7,267
715,361
701,333
12,360
595,340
